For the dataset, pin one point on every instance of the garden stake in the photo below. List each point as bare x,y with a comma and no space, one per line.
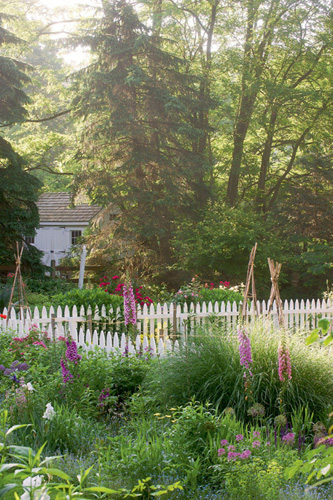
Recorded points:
90,326
174,321
250,280
275,269
53,326
22,298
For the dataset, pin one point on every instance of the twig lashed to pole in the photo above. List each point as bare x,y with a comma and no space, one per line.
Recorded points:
249,280
275,269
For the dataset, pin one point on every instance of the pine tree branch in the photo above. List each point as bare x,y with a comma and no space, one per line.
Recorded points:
39,120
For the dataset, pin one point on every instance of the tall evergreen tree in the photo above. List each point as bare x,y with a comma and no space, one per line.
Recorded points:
142,128
18,189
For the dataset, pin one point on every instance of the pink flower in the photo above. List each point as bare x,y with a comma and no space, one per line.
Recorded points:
239,437
256,444
115,277
284,363
40,343
224,442
232,455
289,438
245,454
256,434
129,304
231,448
244,348
220,451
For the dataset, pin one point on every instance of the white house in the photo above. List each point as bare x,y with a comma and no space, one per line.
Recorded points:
61,224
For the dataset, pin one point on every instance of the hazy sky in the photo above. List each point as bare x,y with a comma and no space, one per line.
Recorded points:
78,57
58,3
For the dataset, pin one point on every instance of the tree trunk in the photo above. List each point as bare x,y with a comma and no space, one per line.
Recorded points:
248,97
265,160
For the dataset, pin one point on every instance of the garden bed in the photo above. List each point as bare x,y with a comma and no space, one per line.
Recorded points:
186,425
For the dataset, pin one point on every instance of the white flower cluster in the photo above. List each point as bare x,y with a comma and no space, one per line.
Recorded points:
28,386
49,412
32,484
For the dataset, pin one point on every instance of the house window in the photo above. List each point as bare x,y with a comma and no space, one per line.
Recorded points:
75,236
30,240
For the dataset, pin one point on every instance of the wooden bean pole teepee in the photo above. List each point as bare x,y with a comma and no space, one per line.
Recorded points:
248,283
275,269
22,298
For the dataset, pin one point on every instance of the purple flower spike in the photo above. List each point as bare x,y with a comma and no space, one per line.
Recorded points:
244,349
129,304
71,352
2,368
66,374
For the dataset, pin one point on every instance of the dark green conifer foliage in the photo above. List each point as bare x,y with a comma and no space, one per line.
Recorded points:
141,135
18,189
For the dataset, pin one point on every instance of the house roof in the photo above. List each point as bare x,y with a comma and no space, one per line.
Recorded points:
57,207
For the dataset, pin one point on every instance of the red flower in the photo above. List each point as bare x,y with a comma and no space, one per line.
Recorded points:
115,277
3,316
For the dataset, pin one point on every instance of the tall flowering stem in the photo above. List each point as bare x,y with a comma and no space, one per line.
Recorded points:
244,349
72,357
284,362
284,367
129,303
71,352
245,359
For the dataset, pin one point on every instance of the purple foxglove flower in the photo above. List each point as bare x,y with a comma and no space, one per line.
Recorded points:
129,304
244,348
284,362
71,352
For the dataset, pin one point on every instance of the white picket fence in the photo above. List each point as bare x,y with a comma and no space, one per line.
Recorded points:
162,323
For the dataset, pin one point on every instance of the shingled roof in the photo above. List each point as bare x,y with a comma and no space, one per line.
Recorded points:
57,207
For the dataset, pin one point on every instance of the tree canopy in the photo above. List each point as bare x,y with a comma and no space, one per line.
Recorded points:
207,124
18,189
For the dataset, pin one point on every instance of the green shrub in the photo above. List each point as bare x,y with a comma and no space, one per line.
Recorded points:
196,292
221,295
87,297
47,286
38,300
95,298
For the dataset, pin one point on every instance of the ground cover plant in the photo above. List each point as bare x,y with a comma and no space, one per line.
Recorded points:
221,419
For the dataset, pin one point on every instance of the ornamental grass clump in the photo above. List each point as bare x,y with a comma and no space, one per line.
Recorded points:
209,369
